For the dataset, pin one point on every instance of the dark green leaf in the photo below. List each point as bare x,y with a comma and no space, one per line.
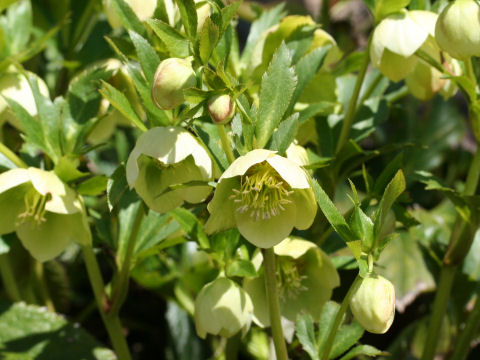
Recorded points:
147,56
210,136
188,13
93,186
174,41
128,17
208,40
359,350
285,134
191,225
118,189
305,333
346,337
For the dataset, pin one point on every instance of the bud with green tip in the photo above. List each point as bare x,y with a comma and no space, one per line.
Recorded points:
46,214
458,29
222,308
221,108
373,304
173,75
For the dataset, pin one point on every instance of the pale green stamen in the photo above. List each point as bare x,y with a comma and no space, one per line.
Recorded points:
289,278
34,208
262,193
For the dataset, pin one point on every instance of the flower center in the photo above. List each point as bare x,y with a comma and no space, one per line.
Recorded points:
289,278
262,193
35,207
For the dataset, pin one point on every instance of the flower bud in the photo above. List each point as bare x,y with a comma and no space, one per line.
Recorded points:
171,78
458,29
222,308
144,9
373,304
221,108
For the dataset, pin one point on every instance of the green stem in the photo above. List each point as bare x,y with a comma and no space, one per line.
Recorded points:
226,144
462,346
42,285
273,305
233,345
10,155
121,287
111,322
338,319
9,282
370,88
352,105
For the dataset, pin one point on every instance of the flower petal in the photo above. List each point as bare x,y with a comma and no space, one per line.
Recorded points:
293,247
266,233
304,200
12,204
293,174
255,288
221,207
12,178
243,163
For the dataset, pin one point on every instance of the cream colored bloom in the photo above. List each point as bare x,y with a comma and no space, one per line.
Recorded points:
222,308
46,214
264,195
165,157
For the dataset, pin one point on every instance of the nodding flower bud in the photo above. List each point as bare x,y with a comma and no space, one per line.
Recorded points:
221,108
373,304
458,29
171,78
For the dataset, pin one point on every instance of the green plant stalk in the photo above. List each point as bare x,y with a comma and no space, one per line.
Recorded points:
226,144
121,287
10,155
111,322
352,105
232,347
9,282
462,346
273,304
338,319
41,285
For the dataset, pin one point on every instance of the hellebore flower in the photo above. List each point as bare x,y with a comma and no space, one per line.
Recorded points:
305,277
173,75
264,195
222,308
165,157
221,108
46,214
458,29
373,304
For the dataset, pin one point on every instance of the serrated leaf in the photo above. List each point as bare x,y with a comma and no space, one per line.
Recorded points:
208,40
31,332
128,17
305,332
285,134
147,56
121,103
347,336
188,14
367,350
228,12
278,86
174,41
242,268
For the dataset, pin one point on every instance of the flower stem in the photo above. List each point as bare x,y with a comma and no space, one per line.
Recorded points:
226,144
338,319
273,305
111,322
232,347
121,287
462,346
352,105
41,285
9,282
10,155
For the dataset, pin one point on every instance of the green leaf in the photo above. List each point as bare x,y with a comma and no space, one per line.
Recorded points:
121,103
362,227
128,17
147,56
367,350
118,190
188,14
278,86
228,12
332,214
386,7
210,137
18,27
66,169
347,336
305,333
392,192
285,134
208,40
176,44
191,225
31,332
242,268
93,186
6,3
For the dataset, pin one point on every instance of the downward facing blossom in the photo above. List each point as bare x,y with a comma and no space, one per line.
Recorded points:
46,214
265,196
167,167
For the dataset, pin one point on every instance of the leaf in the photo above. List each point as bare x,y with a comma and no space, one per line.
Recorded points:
154,230
242,268
147,56
278,85
175,42
31,332
228,12
188,14
121,103
208,40
347,336
191,225
362,227
128,17
210,137
367,350
6,3
117,189
94,186
305,333
285,134
386,7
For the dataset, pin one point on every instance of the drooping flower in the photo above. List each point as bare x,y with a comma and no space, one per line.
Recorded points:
222,308
166,157
306,278
264,195
46,214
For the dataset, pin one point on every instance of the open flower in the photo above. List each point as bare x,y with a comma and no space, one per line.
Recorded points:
222,308
46,214
264,195
305,277
168,166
